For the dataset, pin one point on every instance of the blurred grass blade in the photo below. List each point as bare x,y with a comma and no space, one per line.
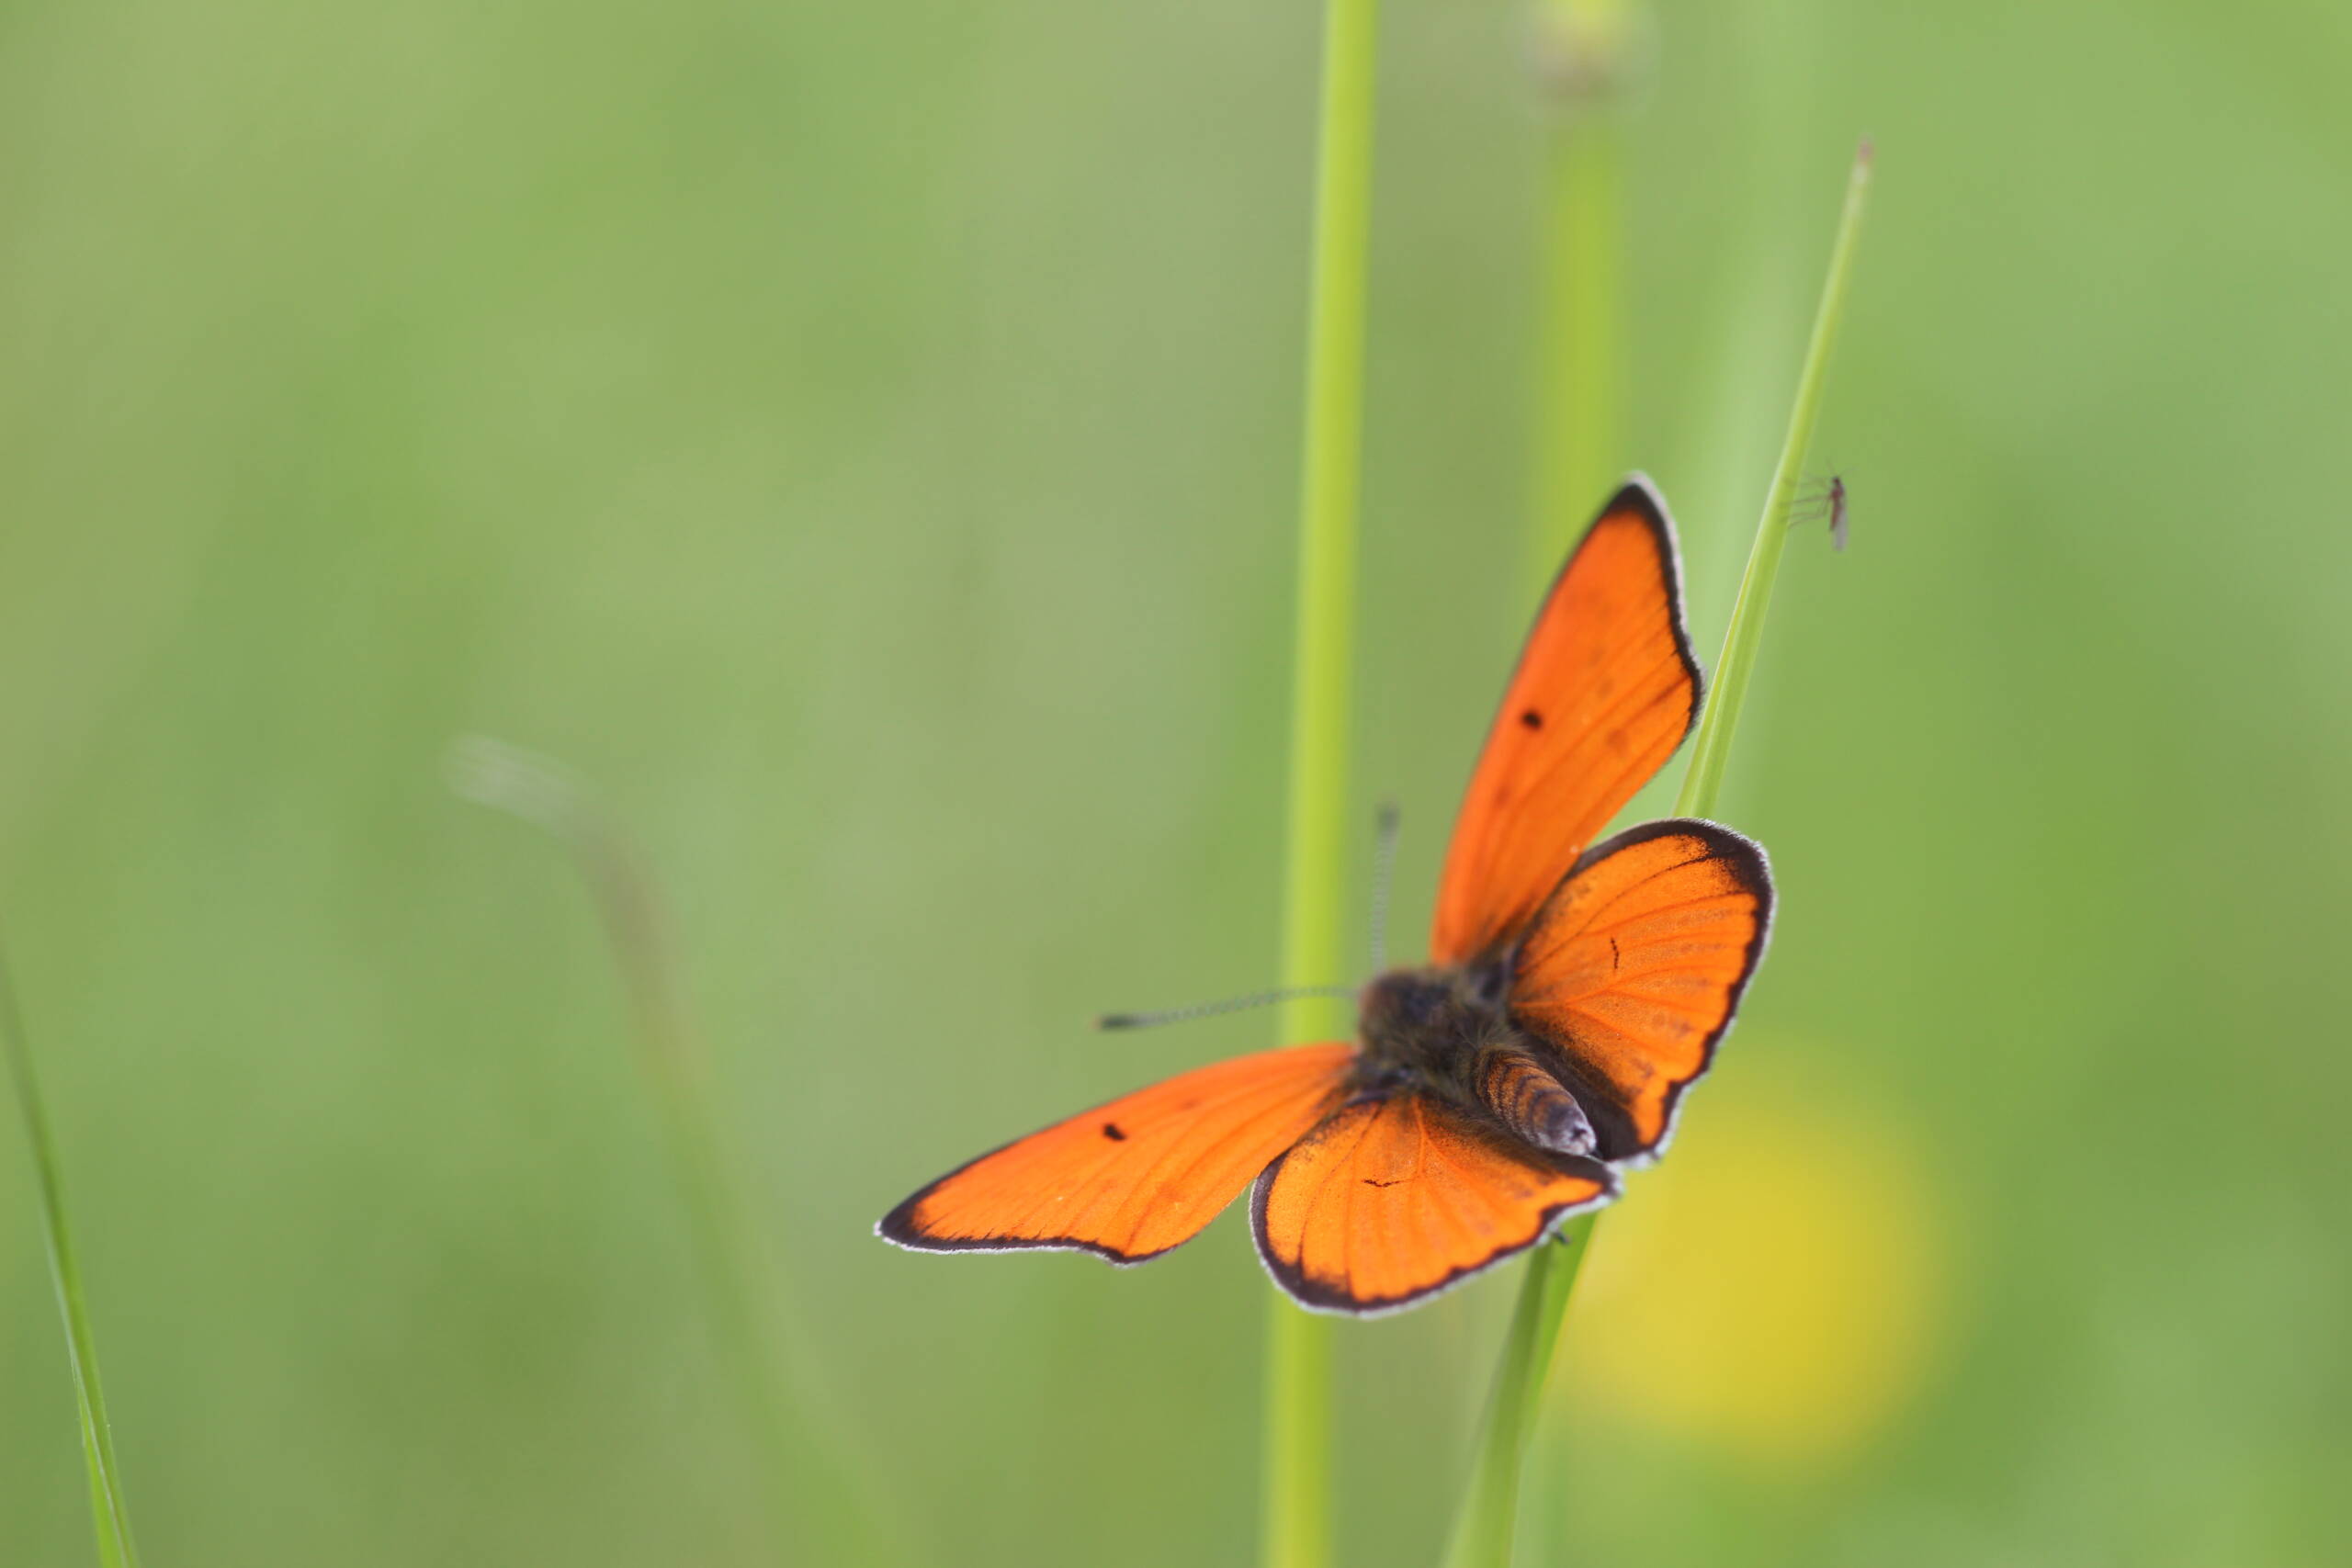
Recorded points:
1482,1533
774,1381
1582,49
1297,1519
111,1515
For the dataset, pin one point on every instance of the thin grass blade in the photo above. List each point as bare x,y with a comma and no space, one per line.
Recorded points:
1297,1526
110,1515
817,1497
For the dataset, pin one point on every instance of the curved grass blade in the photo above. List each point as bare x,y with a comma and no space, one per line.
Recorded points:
775,1381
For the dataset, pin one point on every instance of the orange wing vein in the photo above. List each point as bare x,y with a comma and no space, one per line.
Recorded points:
1603,695
1129,1179
1392,1200
1633,970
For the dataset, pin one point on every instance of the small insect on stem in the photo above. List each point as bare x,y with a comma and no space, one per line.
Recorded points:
1828,501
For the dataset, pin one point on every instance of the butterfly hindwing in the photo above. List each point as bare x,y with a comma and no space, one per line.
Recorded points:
1604,693
1391,1200
1129,1179
1633,968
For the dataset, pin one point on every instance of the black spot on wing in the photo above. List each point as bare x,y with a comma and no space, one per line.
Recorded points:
1110,1130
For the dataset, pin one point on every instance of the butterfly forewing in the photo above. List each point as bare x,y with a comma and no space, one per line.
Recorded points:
1633,968
1391,1200
1129,1179
1603,695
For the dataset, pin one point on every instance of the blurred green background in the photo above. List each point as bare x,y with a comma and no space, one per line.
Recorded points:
863,439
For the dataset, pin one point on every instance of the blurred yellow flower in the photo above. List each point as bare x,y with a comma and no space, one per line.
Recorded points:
1775,1286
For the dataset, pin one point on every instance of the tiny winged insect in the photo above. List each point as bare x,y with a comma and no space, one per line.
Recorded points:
1573,992
1829,501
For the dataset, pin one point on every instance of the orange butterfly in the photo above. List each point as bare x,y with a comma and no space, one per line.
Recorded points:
1575,991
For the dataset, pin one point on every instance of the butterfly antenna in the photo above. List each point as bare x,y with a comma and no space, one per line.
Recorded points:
1210,1009
1383,861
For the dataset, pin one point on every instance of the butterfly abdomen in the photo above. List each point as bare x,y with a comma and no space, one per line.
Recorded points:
1533,1105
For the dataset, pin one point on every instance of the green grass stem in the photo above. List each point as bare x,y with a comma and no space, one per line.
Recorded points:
1297,1526
1484,1531
111,1515
819,1503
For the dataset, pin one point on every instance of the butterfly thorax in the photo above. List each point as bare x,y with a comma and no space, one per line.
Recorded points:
1447,1032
